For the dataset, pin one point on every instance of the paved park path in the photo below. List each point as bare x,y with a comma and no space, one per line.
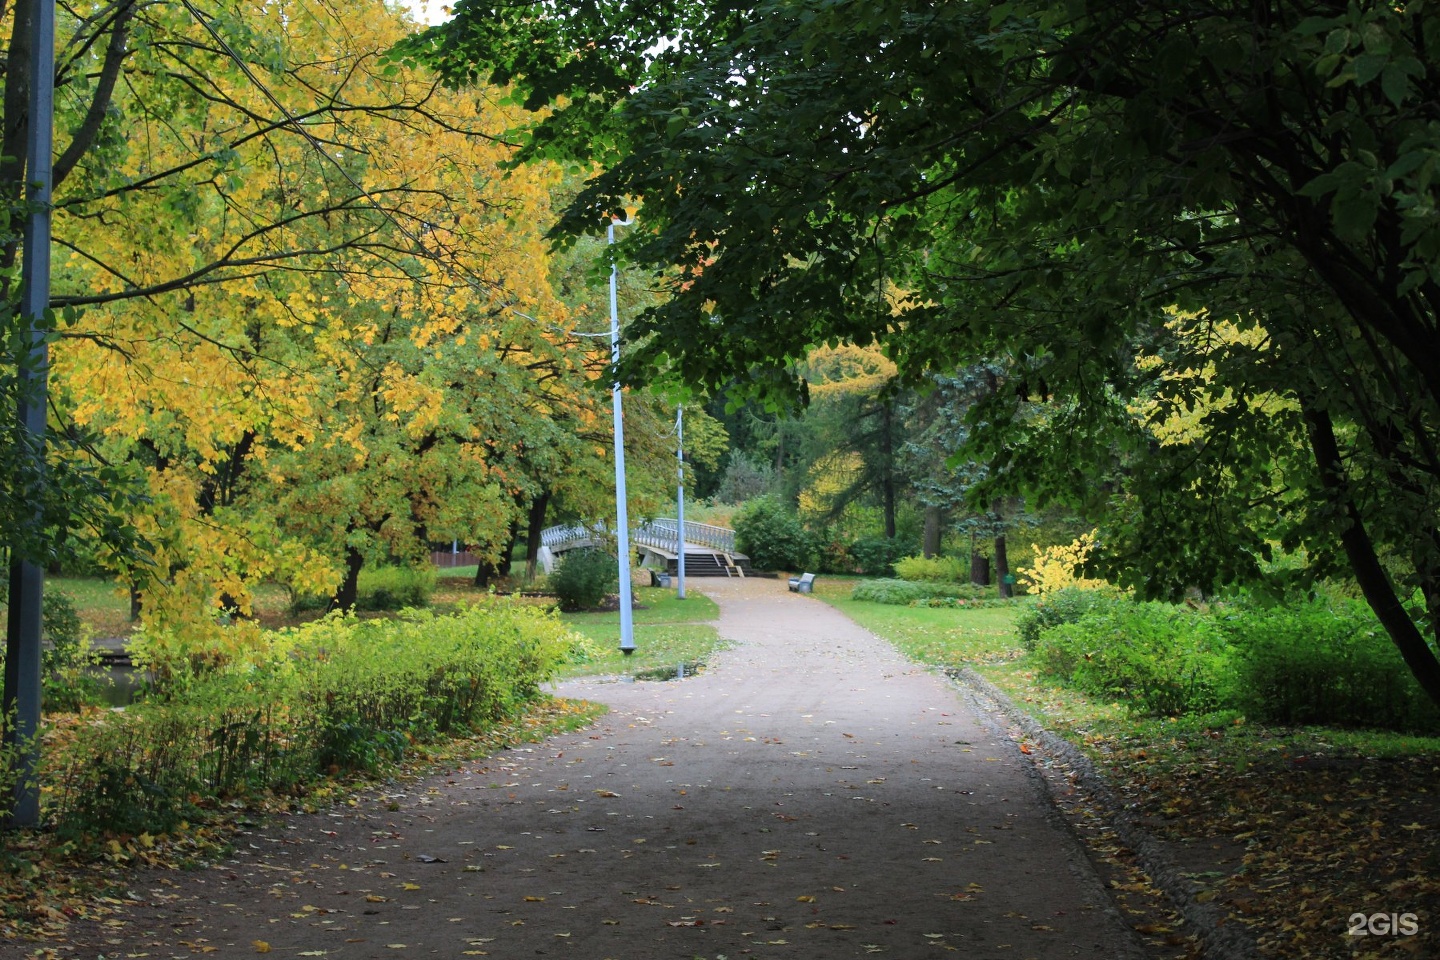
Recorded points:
811,795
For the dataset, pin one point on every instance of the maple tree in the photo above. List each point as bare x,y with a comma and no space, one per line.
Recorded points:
302,288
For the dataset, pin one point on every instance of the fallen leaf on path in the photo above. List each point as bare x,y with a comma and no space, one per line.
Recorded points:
260,946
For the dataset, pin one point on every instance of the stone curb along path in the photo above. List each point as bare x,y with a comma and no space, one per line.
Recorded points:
810,795
1070,777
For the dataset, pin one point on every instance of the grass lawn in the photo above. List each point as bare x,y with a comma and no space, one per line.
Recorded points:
1289,831
668,632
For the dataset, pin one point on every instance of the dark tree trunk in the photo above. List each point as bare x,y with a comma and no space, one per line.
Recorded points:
538,506
488,570
349,591
134,603
979,569
1002,568
1360,550
931,545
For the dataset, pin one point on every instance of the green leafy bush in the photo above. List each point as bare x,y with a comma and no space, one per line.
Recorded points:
584,578
963,603
1058,607
773,537
1323,663
334,695
67,657
905,592
1156,658
939,569
876,556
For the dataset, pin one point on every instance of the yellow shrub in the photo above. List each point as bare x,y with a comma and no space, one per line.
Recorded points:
1061,566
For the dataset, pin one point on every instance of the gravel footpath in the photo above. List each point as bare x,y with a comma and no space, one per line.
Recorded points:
810,795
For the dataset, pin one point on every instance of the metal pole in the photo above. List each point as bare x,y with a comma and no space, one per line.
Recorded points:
21,701
680,492
622,512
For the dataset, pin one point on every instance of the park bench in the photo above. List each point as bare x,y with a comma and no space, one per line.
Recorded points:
802,584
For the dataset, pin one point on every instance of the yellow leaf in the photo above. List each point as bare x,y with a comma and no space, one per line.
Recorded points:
806,899
409,886
260,946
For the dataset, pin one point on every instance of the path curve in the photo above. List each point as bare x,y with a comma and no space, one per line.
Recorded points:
810,795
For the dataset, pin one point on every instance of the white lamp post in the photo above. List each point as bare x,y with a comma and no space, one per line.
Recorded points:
622,511
680,495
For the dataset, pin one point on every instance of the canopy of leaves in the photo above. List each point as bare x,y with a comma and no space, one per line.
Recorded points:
1046,178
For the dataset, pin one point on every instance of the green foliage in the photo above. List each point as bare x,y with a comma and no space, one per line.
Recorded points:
963,603
1056,608
67,657
584,578
335,695
1099,165
876,556
772,536
1156,658
1322,663
745,479
903,592
938,569
67,661
381,588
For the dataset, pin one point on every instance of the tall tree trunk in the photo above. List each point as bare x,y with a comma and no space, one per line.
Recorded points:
930,547
488,570
979,568
1002,568
349,591
1364,563
538,506
1002,562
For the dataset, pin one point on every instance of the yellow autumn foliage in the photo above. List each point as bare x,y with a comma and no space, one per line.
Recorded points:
1061,567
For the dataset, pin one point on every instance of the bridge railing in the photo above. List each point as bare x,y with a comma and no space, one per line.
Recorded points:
662,532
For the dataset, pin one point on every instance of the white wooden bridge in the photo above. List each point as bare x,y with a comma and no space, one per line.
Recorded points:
709,550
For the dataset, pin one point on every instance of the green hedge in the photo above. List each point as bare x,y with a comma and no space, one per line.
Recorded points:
904,592
331,696
1323,663
1308,662
1156,658
1061,606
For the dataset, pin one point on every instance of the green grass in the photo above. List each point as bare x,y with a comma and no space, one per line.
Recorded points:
941,636
669,631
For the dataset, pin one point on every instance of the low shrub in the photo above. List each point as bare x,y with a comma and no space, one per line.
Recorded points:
67,657
904,592
1156,658
939,569
963,603
584,578
1061,606
335,695
1323,663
